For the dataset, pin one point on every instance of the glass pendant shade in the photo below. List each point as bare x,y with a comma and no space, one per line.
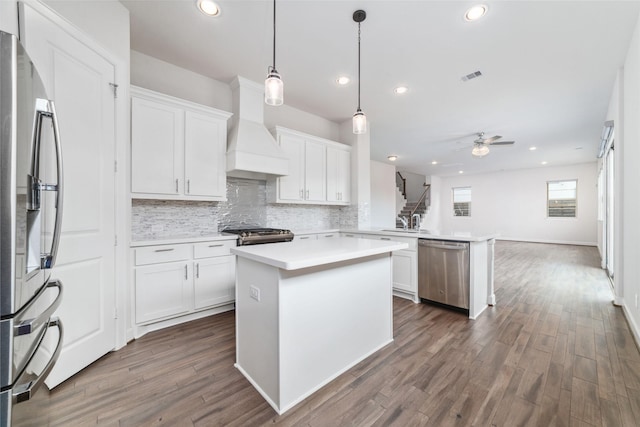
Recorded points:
273,89
359,122
480,150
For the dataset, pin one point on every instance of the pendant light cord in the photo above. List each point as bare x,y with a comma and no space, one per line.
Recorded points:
358,66
274,35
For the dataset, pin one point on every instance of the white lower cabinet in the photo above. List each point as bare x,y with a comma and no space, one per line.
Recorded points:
405,264
162,290
180,280
215,281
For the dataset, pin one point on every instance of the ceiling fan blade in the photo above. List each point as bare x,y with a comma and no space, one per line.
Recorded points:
504,143
493,138
464,147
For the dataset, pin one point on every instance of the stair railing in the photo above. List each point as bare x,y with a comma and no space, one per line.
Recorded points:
403,185
422,198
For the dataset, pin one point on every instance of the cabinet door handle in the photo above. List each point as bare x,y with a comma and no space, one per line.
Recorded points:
307,195
385,238
348,235
216,246
188,186
304,237
164,250
176,185
186,272
197,270
301,193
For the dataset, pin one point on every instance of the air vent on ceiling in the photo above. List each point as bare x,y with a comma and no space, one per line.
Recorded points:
471,76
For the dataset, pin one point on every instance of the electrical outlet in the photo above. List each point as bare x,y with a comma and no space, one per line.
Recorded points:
254,292
157,228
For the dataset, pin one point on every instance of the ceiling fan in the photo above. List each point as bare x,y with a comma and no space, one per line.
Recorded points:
481,144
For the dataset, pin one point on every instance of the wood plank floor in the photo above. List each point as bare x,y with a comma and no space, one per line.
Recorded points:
554,351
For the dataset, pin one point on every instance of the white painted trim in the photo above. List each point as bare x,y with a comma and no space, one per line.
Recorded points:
633,327
141,330
556,242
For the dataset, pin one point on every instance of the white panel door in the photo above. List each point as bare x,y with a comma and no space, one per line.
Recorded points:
156,147
403,267
204,156
215,281
78,79
162,290
291,187
316,171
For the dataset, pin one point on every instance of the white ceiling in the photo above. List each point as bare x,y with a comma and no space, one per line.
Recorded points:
548,69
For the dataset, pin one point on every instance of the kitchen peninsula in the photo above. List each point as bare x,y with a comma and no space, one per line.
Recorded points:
308,310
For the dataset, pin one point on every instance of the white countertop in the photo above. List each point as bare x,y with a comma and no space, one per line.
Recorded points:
310,253
426,234
181,239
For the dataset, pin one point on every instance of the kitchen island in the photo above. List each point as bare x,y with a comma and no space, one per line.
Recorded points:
308,310
481,255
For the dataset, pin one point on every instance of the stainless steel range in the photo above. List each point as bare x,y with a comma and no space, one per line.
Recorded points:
256,236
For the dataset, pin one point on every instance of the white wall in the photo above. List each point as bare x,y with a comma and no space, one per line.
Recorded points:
152,73
415,185
513,204
383,195
627,268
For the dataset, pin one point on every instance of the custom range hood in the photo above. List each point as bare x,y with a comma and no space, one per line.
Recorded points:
252,152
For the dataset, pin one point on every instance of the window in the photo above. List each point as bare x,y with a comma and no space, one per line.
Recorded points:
462,201
562,199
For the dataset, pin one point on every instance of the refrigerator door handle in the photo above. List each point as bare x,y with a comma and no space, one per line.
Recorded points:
46,109
23,391
28,326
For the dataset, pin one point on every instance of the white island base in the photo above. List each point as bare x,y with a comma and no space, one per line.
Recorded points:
298,329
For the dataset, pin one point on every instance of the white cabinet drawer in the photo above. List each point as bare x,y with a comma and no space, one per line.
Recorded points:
413,243
211,249
305,237
159,254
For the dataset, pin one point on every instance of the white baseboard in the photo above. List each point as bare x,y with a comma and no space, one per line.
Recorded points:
633,326
556,242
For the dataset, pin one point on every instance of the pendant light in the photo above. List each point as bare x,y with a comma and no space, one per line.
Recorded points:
359,119
273,85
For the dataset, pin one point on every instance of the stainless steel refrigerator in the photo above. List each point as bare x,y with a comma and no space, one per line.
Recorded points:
30,219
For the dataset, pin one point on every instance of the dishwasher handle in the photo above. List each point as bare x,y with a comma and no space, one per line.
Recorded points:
443,244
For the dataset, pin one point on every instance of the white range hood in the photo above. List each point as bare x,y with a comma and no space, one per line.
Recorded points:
252,152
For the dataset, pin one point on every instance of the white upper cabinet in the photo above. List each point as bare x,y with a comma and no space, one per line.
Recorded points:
313,178
338,175
177,148
204,160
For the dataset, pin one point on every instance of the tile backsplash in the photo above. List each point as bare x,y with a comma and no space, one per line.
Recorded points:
246,206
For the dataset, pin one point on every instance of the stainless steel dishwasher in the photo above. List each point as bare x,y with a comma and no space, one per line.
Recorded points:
443,272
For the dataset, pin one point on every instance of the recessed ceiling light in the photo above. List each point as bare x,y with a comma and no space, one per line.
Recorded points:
208,7
544,163
476,12
460,171
533,148
393,158
343,80
434,163
401,89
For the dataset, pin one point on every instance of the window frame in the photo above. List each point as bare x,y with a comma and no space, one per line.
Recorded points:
453,202
575,207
